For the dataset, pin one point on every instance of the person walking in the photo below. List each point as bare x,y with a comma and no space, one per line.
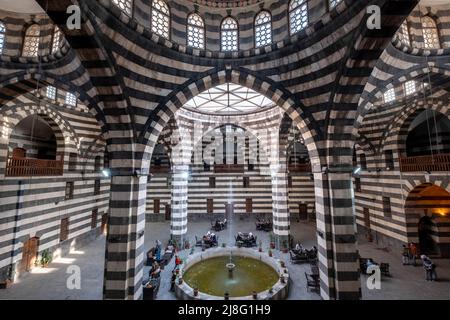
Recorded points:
430,268
405,255
172,281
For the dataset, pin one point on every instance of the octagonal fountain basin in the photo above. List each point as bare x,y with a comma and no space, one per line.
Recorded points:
239,272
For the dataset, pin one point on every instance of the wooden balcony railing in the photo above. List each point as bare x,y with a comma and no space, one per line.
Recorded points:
20,167
304,167
159,169
438,162
229,168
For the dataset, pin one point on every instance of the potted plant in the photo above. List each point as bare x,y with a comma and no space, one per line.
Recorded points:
272,240
180,280
270,252
226,296
46,258
285,247
195,292
255,295
260,246
282,264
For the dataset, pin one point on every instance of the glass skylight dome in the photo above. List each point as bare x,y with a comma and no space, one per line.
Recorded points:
229,98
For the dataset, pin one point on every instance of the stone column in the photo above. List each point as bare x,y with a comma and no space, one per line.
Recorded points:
125,240
280,207
336,235
179,202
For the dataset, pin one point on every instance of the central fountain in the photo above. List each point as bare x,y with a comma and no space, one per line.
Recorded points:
233,273
230,266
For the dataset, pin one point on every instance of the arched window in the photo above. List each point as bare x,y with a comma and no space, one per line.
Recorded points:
31,41
403,34
263,29
2,36
229,34
334,3
56,39
125,5
430,33
195,31
298,15
160,18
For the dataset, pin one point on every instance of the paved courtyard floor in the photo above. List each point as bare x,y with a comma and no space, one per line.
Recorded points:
407,282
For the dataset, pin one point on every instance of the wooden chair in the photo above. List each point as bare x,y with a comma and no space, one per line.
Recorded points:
384,269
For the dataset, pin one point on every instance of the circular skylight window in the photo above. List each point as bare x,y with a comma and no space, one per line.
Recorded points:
229,98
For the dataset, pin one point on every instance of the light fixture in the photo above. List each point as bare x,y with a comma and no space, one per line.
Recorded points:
357,170
106,173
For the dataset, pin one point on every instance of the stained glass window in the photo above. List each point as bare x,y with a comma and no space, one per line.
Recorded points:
71,99
161,18
2,36
56,39
430,33
31,41
263,29
125,5
229,35
195,31
298,15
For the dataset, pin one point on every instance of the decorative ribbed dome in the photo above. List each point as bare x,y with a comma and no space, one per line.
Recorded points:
226,3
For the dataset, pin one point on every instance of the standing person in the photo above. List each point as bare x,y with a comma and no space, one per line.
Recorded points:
430,268
413,252
405,255
178,262
172,281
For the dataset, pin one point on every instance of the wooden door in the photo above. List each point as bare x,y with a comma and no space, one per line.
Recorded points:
366,218
209,206
156,203
64,230
104,223
168,212
229,209
29,254
303,211
249,205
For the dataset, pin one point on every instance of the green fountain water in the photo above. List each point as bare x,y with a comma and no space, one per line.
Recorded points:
211,276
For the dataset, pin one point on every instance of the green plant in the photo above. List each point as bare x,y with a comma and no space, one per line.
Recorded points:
46,258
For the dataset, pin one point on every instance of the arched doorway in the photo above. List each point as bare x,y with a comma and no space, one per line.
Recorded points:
33,148
427,211
426,231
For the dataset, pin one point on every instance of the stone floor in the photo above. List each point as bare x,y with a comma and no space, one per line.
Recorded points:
407,282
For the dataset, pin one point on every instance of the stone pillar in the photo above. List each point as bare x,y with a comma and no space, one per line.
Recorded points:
125,240
336,235
280,207
179,202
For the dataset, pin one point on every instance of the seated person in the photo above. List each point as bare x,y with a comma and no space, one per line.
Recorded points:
169,249
154,270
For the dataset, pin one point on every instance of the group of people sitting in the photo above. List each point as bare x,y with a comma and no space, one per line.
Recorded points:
159,255
264,224
219,225
245,239
209,240
299,253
